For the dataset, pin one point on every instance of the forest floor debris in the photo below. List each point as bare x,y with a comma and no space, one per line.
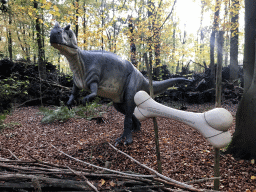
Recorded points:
186,155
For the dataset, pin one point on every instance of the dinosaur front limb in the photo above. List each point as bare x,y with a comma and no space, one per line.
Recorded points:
73,96
92,95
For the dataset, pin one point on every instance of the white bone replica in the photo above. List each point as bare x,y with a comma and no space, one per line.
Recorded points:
213,124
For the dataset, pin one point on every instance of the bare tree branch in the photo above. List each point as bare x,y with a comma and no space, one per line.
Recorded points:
168,15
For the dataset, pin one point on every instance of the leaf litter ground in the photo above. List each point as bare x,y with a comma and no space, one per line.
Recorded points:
185,154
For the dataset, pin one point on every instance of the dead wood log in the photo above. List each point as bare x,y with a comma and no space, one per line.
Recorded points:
203,180
44,182
86,180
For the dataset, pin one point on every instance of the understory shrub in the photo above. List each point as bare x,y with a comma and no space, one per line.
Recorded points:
11,89
62,113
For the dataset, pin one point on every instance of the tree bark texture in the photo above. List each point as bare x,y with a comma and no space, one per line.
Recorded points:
77,7
213,34
41,53
132,43
234,40
10,35
219,69
243,144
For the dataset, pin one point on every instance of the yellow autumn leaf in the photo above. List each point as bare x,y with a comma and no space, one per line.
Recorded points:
55,8
253,177
48,5
112,184
54,13
30,13
102,182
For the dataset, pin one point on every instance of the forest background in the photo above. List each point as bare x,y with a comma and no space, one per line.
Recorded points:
179,31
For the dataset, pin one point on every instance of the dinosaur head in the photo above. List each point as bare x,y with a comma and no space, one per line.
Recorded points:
63,39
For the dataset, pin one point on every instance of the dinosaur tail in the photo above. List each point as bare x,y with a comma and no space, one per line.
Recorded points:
160,86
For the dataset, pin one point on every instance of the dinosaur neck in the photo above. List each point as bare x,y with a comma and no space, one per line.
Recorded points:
77,67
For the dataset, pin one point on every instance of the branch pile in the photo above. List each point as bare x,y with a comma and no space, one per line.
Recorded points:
36,175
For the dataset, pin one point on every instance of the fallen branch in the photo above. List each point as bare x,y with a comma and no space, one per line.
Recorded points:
180,184
54,84
45,182
86,180
35,167
202,180
18,106
102,168
13,155
140,188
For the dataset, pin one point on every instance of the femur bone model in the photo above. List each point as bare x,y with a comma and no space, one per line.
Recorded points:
213,124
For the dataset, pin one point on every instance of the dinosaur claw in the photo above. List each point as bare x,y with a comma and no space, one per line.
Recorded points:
118,141
126,143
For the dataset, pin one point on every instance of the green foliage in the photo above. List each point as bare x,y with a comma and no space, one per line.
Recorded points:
90,110
62,113
6,125
12,87
2,118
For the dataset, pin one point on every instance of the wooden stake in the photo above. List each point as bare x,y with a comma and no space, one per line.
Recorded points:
217,169
149,70
218,104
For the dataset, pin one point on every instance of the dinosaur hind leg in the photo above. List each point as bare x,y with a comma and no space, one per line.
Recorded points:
135,122
131,123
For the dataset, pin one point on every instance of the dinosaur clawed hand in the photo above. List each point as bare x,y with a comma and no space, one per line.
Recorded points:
70,102
86,100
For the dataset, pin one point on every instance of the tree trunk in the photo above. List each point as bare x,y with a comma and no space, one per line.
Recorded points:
219,69
157,47
173,42
102,24
132,43
10,35
76,7
234,40
212,45
41,53
243,144
84,26
227,40
212,38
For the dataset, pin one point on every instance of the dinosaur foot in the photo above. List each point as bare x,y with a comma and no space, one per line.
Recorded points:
127,141
136,127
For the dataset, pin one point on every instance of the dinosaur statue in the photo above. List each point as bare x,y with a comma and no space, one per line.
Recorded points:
107,75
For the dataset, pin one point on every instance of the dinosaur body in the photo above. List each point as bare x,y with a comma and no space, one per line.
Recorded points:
107,75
